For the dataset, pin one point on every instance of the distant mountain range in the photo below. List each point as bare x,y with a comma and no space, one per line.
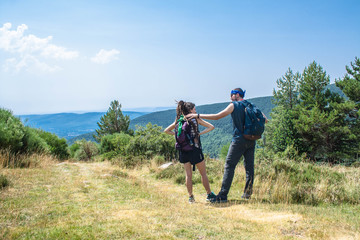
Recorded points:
69,125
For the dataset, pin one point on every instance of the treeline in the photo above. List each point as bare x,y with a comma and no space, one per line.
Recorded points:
313,121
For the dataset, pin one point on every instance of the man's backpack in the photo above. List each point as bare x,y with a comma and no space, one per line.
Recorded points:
184,141
254,124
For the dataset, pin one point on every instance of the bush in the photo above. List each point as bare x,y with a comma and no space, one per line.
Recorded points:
119,173
4,182
86,150
224,151
74,147
150,141
33,143
116,142
110,155
356,164
58,146
128,161
158,160
20,144
171,172
12,131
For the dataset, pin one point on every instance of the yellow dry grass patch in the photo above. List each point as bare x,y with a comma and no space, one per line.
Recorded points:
223,217
89,194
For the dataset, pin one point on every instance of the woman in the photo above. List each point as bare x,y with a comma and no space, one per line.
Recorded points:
195,156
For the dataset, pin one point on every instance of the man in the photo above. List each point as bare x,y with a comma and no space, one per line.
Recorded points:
239,146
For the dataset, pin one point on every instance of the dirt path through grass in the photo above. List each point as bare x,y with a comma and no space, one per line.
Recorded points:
101,201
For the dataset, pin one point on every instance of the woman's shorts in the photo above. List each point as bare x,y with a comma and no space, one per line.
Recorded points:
194,157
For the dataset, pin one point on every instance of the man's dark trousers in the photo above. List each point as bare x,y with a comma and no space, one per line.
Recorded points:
236,150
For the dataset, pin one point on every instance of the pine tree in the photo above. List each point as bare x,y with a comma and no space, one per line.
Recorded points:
324,134
280,132
287,93
312,86
113,121
350,85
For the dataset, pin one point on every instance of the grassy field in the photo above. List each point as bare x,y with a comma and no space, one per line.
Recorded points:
98,200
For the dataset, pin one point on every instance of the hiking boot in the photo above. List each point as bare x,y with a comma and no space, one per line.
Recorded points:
219,199
246,196
210,196
191,199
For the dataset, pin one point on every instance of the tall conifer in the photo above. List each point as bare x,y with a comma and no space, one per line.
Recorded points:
113,121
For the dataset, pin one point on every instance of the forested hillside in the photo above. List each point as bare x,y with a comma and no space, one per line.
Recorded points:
213,141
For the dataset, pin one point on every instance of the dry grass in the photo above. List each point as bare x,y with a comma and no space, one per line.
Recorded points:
101,201
7,159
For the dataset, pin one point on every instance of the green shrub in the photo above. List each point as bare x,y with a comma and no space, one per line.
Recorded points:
132,161
128,161
12,131
180,179
19,143
110,155
224,151
119,173
4,182
86,151
74,147
33,143
116,142
171,172
150,141
58,146
158,160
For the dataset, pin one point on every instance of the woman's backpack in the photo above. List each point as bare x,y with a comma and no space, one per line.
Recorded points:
184,141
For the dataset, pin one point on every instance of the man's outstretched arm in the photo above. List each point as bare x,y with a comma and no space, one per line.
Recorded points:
228,110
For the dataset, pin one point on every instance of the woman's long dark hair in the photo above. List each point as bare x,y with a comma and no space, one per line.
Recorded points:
183,108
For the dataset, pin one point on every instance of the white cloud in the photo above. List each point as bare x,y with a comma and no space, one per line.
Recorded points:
105,56
28,63
31,51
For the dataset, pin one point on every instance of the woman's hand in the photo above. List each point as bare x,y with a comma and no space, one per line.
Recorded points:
208,126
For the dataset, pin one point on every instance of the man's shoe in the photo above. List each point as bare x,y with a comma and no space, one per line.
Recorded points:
191,199
246,196
219,199
210,196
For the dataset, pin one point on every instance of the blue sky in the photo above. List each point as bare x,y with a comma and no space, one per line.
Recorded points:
73,56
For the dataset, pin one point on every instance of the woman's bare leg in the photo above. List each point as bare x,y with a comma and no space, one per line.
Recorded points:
204,179
188,179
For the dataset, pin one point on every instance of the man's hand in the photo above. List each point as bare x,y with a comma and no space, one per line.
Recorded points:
191,115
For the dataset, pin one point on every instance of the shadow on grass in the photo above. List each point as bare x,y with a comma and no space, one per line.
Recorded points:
230,202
